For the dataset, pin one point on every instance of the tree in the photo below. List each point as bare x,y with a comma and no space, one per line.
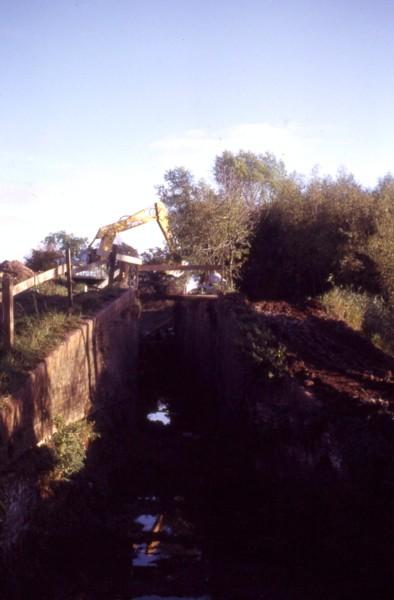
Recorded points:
253,178
60,240
310,237
381,244
52,249
209,227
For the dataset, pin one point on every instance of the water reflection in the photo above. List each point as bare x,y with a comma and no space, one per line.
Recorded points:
147,521
148,553
161,414
173,598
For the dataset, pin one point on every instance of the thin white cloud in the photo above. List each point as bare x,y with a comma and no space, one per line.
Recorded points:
81,199
197,149
81,203
300,147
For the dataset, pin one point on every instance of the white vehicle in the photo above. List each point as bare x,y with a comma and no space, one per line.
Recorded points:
207,283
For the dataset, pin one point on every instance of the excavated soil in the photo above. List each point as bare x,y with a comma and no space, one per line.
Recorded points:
330,359
16,269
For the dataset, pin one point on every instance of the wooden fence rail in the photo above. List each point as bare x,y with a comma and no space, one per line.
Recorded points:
39,279
10,290
178,267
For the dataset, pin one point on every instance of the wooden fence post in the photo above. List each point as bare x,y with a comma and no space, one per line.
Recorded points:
8,312
111,266
69,277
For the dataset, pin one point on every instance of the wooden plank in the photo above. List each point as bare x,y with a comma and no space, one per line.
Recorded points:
88,267
8,313
69,277
102,284
40,278
111,267
131,260
179,267
105,283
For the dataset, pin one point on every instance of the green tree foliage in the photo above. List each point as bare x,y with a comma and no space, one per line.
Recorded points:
42,259
310,236
381,244
52,250
154,256
208,227
156,281
279,236
60,240
252,178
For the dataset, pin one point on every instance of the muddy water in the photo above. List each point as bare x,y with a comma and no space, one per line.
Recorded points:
166,550
188,521
174,554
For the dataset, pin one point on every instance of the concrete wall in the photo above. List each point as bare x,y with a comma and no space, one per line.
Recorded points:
95,364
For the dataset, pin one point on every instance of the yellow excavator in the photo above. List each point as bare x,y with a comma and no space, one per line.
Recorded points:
98,258
107,233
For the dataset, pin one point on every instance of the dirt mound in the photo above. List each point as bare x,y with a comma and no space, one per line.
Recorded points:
16,269
330,359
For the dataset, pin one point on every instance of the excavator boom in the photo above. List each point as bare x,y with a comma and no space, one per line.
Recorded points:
107,233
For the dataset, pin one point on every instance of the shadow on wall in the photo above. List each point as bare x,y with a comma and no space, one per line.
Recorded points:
93,366
41,518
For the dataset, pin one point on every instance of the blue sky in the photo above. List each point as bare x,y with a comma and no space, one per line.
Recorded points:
98,98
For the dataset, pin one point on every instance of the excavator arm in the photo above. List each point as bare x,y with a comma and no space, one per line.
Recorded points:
107,233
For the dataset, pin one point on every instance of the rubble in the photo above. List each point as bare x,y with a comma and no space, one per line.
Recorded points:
16,269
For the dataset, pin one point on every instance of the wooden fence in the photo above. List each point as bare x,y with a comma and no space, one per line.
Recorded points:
10,290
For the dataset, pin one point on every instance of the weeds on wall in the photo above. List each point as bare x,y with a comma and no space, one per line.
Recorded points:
257,342
263,348
69,445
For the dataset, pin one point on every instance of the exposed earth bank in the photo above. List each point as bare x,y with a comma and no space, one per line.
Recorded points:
330,359
310,404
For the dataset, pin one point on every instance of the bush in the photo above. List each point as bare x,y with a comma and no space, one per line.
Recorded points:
256,341
348,305
42,260
69,444
310,235
363,312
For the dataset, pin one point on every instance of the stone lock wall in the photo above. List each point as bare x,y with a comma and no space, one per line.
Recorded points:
93,366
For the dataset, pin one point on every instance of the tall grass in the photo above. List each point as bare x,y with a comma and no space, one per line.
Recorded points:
366,313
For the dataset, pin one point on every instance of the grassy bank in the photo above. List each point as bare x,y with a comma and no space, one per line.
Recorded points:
42,319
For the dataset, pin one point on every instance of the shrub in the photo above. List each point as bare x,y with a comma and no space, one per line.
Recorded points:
309,235
256,341
69,444
348,305
363,312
